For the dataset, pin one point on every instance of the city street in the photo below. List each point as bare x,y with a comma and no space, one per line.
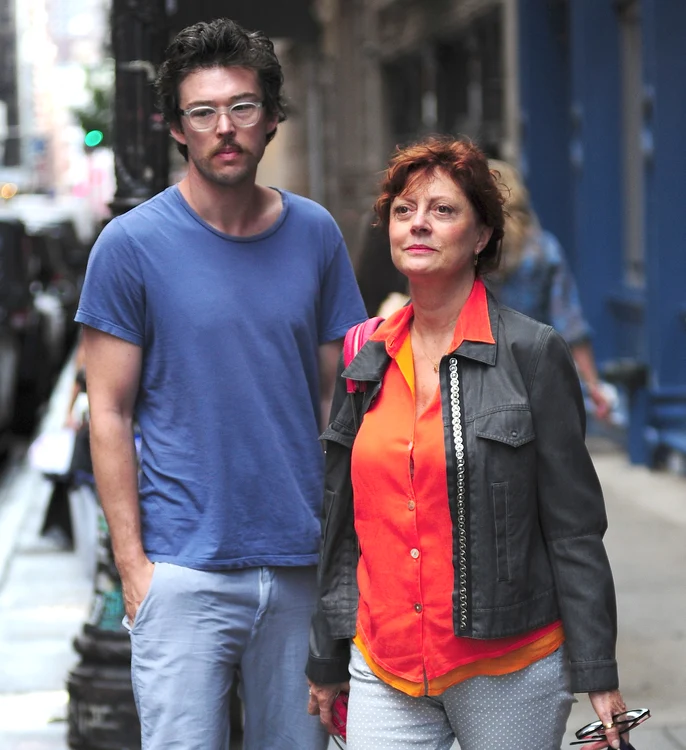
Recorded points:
205,187
45,594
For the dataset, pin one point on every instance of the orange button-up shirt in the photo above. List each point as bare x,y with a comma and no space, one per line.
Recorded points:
402,519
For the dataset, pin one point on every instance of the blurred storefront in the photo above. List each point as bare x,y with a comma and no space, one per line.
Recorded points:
602,110
587,98
10,145
392,70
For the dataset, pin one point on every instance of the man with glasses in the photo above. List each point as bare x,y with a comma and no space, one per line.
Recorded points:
213,314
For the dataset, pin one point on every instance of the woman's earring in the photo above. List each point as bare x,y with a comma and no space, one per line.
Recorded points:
476,259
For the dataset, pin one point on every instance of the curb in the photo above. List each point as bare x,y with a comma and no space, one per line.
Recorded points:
23,489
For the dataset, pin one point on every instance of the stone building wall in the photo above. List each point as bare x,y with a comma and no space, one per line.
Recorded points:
390,71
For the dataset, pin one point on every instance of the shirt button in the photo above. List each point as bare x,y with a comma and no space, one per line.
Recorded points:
414,553
409,445
514,433
417,607
410,505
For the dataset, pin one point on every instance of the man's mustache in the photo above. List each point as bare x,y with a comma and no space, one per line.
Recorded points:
227,144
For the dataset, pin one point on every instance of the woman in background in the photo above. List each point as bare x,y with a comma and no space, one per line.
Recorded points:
535,279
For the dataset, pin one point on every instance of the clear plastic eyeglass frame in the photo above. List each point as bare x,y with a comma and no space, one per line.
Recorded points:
205,117
624,722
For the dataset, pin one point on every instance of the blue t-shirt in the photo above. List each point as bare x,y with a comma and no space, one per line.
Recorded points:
228,406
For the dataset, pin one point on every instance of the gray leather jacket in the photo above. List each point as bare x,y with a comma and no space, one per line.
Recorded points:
527,509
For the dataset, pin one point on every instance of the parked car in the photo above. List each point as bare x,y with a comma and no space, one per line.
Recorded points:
62,231
11,301
62,266
26,376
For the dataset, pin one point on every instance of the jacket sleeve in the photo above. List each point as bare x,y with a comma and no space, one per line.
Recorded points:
328,658
572,516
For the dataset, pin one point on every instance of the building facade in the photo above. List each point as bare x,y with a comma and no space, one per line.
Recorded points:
603,104
10,143
586,97
393,70
47,48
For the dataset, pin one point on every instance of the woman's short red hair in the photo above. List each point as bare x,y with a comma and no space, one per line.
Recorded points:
467,165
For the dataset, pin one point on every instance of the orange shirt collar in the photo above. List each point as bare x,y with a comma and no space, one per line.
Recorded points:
473,323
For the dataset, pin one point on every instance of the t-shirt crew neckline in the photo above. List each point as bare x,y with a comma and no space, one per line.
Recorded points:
234,238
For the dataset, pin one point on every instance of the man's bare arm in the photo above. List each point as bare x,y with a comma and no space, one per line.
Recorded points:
328,364
113,369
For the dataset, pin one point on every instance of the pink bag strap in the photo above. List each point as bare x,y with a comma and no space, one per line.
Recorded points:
355,339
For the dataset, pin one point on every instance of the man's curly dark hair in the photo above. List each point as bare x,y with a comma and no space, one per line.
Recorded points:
219,43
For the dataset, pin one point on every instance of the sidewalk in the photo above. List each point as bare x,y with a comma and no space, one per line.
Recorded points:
44,597
646,544
44,600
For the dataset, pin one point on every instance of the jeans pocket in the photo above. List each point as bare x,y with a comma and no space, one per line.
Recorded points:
144,606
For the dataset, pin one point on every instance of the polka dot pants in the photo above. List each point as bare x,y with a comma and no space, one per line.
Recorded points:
525,710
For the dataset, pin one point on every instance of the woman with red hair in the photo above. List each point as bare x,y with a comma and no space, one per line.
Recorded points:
464,587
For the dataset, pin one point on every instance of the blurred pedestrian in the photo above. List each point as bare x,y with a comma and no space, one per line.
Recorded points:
379,280
75,412
78,420
465,591
57,524
213,315
534,278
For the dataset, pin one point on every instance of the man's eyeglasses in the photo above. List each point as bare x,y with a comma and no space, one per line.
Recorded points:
241,114
624,722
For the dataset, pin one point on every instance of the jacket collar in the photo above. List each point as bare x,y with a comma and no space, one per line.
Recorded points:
372,360
369,364
478,350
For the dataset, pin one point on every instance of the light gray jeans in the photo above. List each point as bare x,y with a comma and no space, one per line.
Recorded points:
194,628
525,710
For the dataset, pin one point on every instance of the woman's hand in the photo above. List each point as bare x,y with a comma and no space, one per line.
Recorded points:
321,702
607,704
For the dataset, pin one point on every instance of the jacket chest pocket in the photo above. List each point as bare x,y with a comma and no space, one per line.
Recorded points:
512,427
505,452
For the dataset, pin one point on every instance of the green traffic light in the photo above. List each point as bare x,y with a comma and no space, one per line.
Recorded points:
93,138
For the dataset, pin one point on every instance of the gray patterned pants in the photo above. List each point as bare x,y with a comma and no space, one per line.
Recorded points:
524,710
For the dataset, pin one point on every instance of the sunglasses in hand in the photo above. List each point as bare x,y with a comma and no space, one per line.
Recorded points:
624,722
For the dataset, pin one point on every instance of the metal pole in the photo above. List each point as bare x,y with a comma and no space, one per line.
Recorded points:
102,713
141,143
